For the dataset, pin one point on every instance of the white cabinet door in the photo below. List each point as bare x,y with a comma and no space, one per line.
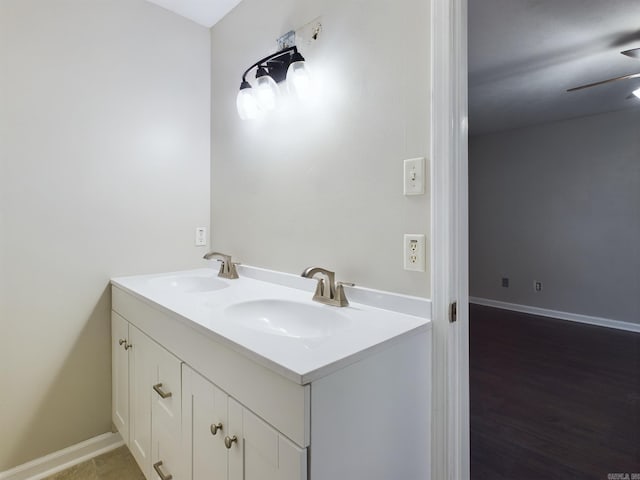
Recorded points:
120,375
141,369
204,428
166,411
260,452
236,451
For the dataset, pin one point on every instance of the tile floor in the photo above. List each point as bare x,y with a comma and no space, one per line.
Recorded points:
115,465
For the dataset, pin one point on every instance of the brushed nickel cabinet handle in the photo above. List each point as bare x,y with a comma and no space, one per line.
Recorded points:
162,393
122,342
156,467
215,427
228,441
127,346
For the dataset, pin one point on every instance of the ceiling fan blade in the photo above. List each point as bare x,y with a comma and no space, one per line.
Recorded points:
633,53
624,77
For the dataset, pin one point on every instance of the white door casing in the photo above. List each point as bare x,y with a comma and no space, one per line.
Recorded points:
449,246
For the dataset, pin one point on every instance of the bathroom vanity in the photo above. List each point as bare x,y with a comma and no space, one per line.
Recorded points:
250,379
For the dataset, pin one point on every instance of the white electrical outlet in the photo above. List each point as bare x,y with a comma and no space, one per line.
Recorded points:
415,252
201,236
414,176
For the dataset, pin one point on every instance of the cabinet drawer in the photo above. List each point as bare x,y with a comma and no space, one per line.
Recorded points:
281,402
166,455
167,394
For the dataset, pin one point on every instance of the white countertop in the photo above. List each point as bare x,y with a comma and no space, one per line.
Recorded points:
189,297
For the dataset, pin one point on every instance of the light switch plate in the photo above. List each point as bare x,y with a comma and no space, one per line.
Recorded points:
414,176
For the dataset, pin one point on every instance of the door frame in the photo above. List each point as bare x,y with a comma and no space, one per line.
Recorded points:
450,240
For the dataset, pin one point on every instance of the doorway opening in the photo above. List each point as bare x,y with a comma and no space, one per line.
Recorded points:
554,240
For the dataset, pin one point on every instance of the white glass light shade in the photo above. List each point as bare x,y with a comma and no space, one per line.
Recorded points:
267,92
247,104
636,92
299,80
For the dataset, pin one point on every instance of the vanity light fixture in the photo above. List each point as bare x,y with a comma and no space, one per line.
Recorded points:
287,64
636,92
247,103
267,90
298,79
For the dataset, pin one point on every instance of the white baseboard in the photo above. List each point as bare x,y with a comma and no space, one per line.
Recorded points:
63,459
572,317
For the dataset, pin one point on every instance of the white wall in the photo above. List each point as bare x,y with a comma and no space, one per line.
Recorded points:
105,171
322,184
559,203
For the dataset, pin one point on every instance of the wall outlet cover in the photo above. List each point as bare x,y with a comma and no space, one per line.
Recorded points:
415,252
201,236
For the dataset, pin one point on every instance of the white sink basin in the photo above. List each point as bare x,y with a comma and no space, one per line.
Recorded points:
188,284
287,318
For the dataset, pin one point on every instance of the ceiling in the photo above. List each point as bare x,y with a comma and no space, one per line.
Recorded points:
525,54
204,12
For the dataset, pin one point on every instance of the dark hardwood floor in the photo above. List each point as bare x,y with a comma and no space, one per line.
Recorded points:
552,399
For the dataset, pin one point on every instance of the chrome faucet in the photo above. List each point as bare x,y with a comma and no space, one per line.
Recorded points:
328,291
227,267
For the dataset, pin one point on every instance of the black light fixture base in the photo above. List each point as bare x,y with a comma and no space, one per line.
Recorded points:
277,64
278,67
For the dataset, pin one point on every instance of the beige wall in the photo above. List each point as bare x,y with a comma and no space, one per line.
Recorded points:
105,171
322,185
3,141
